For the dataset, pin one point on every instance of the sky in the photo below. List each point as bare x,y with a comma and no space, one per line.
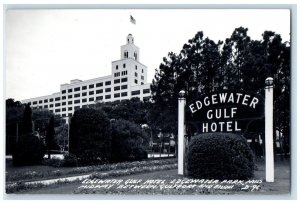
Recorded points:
46,48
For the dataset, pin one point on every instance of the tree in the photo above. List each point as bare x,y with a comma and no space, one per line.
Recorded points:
132,110
27,120
29,151
90,136
50,136
129,141
238,63
14,113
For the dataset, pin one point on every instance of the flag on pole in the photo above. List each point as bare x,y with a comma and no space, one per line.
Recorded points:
132,20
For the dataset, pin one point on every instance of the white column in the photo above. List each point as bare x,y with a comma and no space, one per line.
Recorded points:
181,146
269,152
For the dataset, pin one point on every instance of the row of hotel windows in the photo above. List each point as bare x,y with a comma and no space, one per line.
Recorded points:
58,110
107,83
124,66
116,95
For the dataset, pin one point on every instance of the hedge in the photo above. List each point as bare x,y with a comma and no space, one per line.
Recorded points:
219,156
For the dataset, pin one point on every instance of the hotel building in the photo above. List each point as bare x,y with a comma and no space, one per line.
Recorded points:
128,80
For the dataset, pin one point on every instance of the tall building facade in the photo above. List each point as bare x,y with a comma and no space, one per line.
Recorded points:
128,80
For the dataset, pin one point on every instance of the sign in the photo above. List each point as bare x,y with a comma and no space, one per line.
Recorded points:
227,111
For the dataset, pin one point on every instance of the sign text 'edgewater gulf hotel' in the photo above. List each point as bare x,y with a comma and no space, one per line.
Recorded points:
128,80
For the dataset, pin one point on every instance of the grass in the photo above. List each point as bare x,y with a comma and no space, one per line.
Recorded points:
30,173
279,187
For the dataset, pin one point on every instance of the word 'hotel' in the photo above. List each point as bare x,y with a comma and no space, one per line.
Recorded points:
128,80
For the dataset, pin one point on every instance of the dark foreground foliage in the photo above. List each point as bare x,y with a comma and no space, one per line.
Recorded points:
220,156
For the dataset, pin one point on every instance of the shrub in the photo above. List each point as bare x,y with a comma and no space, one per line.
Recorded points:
90,134
69,160
127,141
29,151
219,156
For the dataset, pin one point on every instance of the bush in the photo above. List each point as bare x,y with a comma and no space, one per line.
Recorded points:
219,156
128,141
29,151
70,160
90,134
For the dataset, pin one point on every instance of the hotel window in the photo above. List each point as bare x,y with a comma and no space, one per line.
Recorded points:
135,74
51,105
98,98
46,101
70,102
70,108
40,101
45,106
63,97
126,54
57,99
108,90
135,55
51,99
135,67
117,67
99,91
107,96
124,73
117,88
142,77
51,111
107,83
117,81
57,104
29,103
70,90
124,87
63,103
63,109
91,86
63,115
63,91
124,94
84,94
70,96
84,100
57,110
142,70
124,65
91,93
76,95
84,87
77,101
136,81
91,99
34,102
124,79
99,84
117,95
117,74
134,93
142,83
145,91
77,89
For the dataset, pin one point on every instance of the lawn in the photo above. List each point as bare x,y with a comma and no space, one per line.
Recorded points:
279,187
38,172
